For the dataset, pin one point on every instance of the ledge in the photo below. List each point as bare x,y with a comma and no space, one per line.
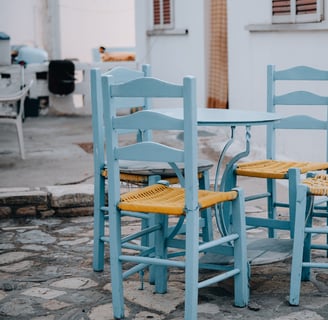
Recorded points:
287,27
53,201
173,32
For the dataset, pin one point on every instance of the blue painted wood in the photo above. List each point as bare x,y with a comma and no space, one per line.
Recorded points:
191,246
100,216
297,120
309,222
303,206
136,99
295,101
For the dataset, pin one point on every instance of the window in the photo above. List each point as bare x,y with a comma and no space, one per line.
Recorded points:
297,11
163,14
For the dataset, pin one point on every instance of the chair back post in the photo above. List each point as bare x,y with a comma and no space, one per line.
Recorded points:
97,120
190,135
271,139
147,135
111,136
98,163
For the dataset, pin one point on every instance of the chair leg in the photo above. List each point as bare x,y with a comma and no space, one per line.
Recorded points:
298,246
192,267
99,224
207,228
240,252
115,250
306,271
271,187
19,128
150,239
160,272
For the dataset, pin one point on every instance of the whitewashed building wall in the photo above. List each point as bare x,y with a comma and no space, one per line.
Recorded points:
253,44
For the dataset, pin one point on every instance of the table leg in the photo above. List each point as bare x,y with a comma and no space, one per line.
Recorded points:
223,211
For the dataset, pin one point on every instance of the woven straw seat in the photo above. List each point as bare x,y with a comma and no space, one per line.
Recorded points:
317,185
138,172
275,169
159,198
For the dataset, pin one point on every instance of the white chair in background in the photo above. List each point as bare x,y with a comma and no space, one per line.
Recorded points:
12,109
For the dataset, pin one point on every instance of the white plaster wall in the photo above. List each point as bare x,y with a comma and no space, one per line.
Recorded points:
173,56
86,24
80,26
251,52
22,21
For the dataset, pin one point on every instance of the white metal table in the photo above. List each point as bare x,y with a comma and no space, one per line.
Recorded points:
260,251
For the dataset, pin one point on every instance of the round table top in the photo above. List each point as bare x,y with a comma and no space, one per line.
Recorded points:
224,117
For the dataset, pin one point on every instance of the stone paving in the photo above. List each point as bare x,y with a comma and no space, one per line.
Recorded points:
46,274
46,250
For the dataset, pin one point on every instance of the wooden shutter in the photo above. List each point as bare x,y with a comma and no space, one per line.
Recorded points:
167,11
306,6
157,12
280,7
162,14
297,11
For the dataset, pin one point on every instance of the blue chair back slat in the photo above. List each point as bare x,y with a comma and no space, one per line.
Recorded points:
147,120
301,73
150,151
300,98
302,122
156,88
294,100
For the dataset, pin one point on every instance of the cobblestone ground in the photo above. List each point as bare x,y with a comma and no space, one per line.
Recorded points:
46,274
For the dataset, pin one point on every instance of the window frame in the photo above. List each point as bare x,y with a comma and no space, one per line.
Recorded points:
161,25
293,17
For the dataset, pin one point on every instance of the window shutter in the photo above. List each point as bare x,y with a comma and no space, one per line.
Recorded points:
157,12
167,11
297,11
280,7
306,6
162,14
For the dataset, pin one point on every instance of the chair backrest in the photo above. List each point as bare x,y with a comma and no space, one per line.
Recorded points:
119,74
294,93
14,96
151,120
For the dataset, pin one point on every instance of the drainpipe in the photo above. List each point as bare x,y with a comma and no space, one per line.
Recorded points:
54,29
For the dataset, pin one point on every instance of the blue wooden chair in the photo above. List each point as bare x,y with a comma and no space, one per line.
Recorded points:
164,200
308,223
297,103
136,173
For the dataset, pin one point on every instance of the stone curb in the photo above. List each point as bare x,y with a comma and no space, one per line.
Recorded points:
51,201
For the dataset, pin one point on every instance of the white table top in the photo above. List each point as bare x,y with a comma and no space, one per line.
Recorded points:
224,117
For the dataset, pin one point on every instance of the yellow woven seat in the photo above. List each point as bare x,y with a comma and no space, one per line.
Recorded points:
159,198
143,179
318,185
275,169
